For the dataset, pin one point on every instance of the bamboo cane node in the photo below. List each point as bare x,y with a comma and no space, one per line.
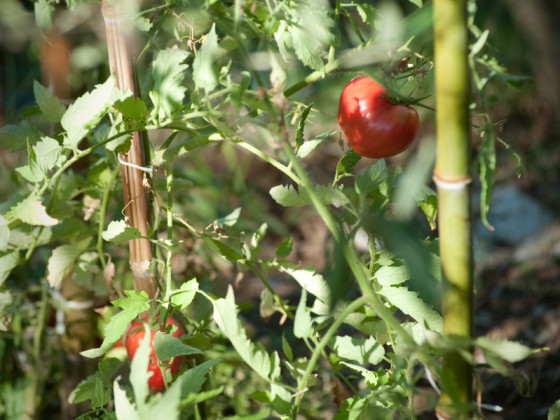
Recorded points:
451,184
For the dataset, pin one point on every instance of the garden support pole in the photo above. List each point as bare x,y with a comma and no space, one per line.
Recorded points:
135,197
453,180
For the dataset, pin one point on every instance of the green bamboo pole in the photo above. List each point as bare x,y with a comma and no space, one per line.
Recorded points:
452,178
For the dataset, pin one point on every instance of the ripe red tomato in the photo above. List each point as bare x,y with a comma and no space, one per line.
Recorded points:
374,127
134,337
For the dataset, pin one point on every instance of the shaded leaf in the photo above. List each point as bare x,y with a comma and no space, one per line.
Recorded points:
50,105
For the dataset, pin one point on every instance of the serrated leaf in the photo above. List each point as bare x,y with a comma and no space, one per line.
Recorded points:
49,154
168,71
229,220
86,112
50,105
359,349
487,172
135,303
204,74
409,303
133,108
372,177
301,127
4,233
222,249
61,263
225,316
32,212
167,407
124,409
303,327
310,145
118,231
194,378
8,261
121,139
429,206
168,346
311,281
308,32
16,137
510,351
392,275
346,164
183,297
288,196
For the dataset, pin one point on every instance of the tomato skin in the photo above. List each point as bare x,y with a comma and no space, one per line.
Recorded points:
134,337
374,127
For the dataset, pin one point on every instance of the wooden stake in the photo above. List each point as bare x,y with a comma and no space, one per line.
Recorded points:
135,197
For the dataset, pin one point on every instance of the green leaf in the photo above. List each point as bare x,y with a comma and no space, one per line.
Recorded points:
194,378
510,351
554,411
49,154
50,105
121,138
310,145
8,261
285,248
392,275
118,232
308,32
429,205
16,137
287,349
124,409
31,172
288,196
183,297
311,281
301,126
346,164
361,350
229,220
32,212
409,303
417,3
4,234
167,407
61,262
303,327
168,346
136,303
86,112
222,249
168,71
133,108
225,316
487,172
43,14
204,74
370,179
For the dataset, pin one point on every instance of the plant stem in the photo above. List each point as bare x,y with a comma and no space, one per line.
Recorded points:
339,320
103,213
452,177
168,272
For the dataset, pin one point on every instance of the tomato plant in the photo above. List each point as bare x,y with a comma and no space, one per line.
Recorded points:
375,127
134,337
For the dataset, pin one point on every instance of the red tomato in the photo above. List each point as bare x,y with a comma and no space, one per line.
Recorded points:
374,127
134,336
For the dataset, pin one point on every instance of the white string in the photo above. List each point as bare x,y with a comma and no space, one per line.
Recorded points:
132,165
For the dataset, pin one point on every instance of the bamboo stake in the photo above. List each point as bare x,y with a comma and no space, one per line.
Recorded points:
135,197
452,177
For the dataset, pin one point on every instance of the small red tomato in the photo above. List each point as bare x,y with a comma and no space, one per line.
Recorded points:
134,337
374,127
